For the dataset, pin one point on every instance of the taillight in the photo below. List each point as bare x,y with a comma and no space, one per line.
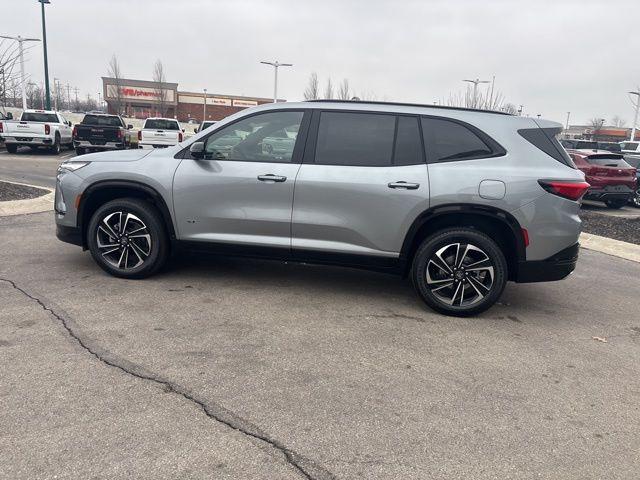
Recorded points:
565,188
139,135
47,129
179,137
0,127
119,133
75,132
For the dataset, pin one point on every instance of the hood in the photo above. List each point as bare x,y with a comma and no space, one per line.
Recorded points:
114,156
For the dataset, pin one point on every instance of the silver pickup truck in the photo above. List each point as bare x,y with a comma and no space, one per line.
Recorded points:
37,129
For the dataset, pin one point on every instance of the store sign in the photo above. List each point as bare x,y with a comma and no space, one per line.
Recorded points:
142,93
219,101
244,103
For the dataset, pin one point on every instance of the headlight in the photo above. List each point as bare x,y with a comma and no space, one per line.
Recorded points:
72,166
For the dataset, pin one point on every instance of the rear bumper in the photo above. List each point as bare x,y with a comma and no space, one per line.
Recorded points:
104,146
28,140
69,234
553,268
621,192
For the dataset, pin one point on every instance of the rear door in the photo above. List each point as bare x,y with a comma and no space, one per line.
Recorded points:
363,182
241,193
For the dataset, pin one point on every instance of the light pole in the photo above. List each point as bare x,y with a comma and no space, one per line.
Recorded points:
567,125
635,117
475,89
204,106
46,62
275,66
23,79
56,89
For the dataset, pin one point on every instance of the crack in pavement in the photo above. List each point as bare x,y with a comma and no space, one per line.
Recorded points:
304,466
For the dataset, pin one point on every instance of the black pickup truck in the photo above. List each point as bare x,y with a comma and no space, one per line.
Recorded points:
101,132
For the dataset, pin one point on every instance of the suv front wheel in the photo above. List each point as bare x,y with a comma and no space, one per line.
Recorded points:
127,238
459,271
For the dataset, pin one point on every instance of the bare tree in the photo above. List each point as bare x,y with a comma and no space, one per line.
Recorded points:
509,108
596,125
159,81
479,99
311,92
619,122
328,91
343,90
10,71
115,73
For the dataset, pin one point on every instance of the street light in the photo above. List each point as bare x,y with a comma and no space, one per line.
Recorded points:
475,89
46,63
204,106
635,117
275,66
23,79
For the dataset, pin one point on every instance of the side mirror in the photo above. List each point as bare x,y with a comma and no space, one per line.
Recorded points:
69,122
129,127
9,116
197,150
195,130
183,130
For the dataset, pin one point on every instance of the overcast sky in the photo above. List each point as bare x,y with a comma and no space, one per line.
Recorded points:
553,57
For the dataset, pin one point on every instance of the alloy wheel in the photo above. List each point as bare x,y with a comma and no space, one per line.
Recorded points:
460,274
123,240
636,199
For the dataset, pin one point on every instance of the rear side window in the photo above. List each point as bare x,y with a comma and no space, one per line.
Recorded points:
449,141
545,140
358,139
160,124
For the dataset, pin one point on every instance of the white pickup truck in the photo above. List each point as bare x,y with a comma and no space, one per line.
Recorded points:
159,133
37,128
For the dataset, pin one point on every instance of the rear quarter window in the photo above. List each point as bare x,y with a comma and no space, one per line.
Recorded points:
446,140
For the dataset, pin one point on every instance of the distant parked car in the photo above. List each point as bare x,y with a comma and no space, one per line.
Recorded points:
160,133
99,131
37,128
630,147
203,125
579,144
612,180
609,147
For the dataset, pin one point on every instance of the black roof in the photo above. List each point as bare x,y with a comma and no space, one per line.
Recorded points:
443,107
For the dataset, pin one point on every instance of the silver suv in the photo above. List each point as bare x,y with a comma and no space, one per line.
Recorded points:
460,200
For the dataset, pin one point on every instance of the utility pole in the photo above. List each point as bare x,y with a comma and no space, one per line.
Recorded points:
567,125
46,61
275,66
23,79
204,106
635,117
68,96
475,89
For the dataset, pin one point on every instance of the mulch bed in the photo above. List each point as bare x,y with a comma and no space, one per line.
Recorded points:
11,191
618,228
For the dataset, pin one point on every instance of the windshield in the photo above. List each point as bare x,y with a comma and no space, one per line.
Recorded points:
39,117
161,124
101,120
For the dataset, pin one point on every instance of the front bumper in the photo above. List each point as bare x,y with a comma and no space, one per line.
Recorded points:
551,269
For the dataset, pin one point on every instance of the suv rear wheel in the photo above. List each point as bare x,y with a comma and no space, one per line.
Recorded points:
127,238
615,203
459,271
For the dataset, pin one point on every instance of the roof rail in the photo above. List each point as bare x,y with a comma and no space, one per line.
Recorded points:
443,107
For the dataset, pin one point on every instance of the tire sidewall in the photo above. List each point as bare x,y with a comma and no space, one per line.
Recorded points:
56,145
454,235
152,219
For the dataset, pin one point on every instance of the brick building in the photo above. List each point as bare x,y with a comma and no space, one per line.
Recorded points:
141,99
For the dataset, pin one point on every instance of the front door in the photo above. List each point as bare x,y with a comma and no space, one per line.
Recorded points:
242,191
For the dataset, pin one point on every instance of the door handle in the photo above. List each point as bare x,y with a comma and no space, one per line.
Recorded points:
403,184
271,178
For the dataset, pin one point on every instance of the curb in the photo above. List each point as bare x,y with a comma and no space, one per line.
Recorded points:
616,248
43,203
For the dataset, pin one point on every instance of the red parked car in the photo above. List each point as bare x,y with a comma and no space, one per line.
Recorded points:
612,180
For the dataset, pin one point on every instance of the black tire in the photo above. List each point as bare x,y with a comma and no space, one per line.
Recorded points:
635,199
615,204
12,148
151,255
55,148
80,151
434,285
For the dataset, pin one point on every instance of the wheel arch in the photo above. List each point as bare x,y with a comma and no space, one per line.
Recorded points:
104,191
499,224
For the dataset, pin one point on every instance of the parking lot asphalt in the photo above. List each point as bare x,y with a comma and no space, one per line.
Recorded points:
34,167
229,368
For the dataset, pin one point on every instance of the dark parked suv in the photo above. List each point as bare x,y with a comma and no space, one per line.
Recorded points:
460,200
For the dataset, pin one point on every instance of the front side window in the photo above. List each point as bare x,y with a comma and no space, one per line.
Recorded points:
268,137
358,139
448,141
